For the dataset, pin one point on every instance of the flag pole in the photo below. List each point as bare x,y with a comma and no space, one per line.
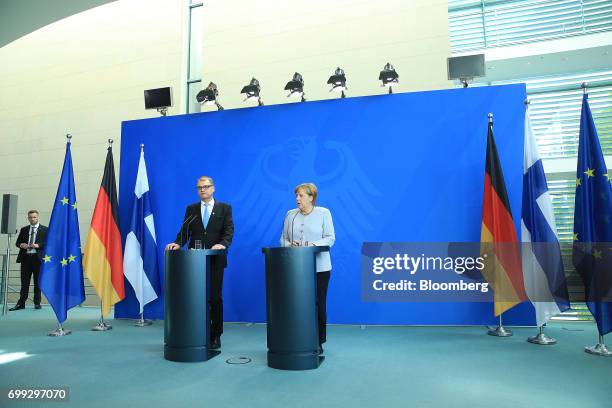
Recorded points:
600,349
102,325
141,322
63,241
138,288
541,338
60,331
500,331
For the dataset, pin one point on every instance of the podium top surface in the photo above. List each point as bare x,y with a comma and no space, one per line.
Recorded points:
304,249
199,251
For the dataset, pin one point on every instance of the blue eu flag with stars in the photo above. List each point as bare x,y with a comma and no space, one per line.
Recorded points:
61,272
592,253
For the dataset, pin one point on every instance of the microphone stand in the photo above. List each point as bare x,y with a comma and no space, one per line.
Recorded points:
186,223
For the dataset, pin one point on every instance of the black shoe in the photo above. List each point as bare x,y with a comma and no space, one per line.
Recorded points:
320,349
215,343
37,307
17,307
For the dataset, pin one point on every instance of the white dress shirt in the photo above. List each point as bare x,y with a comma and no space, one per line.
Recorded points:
33,232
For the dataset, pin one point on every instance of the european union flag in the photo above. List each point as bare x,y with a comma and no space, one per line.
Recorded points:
61,274
592,253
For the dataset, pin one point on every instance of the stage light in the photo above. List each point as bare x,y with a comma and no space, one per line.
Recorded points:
252,91
338,82
296,87
389,77
209,95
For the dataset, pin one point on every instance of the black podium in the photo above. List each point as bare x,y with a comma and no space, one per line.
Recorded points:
186,311
291,307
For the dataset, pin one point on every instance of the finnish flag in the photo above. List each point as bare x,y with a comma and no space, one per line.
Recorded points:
543,271
140,258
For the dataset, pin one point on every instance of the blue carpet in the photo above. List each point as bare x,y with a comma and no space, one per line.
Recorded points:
371,367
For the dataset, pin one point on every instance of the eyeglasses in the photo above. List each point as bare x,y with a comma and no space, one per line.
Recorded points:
204,187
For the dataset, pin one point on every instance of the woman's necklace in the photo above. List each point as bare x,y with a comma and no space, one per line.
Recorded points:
307,213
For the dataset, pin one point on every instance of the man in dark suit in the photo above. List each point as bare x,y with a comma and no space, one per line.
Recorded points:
209,222
31,241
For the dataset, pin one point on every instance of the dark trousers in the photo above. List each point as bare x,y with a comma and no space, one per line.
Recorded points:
30,265
322,284
216,302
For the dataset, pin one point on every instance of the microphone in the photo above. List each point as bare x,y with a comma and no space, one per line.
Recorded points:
186,223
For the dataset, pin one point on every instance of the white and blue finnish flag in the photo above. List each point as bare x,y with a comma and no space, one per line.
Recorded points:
543,271
140,258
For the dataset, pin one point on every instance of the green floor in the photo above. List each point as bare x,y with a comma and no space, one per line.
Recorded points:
373,367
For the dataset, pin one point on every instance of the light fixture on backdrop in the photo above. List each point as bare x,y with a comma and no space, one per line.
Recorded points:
389,77
209,96
296,87
338,82
252,91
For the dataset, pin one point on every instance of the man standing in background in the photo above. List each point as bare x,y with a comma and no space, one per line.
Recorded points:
31,241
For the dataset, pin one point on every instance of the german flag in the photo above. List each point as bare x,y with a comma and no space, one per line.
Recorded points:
103,260
498,236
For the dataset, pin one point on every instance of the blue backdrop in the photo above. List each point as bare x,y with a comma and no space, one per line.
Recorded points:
401,167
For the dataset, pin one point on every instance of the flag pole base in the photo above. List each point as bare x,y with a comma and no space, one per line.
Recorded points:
542,339
142,322
59,332
599,349
102,326
500,331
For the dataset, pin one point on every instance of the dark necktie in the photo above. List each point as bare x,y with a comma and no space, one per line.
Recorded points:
32,232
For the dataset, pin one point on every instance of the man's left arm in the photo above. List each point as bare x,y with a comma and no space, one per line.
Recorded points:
227,231
41,238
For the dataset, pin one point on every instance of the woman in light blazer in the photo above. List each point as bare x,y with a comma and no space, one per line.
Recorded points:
310,225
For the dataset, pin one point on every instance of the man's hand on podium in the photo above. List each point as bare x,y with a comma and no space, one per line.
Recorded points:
172,246
298,243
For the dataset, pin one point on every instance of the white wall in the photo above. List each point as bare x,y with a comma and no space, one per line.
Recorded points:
271,40
81,75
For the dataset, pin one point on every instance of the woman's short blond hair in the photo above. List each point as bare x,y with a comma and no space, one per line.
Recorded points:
308,188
